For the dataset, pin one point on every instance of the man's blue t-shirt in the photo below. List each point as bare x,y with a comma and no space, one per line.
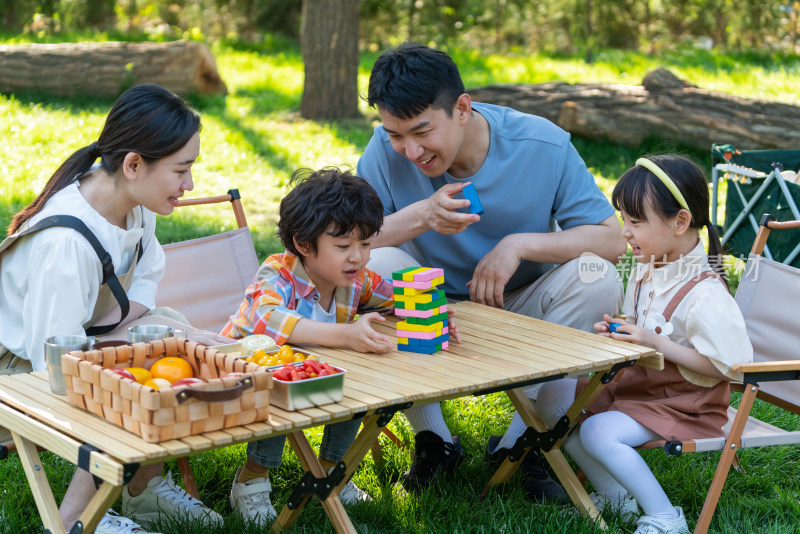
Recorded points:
532,172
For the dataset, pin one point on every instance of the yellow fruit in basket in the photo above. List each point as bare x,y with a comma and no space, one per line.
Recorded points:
286,354
259,354
299,356
171,368
158,383
141,374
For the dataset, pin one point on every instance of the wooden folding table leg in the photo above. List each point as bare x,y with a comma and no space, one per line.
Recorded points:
555,457
40,486
732,444
332,505
105,496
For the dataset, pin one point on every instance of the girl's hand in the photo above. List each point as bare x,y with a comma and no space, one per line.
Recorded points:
363,338
452,329
630,332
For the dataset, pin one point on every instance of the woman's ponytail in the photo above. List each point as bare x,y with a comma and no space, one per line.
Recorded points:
76,165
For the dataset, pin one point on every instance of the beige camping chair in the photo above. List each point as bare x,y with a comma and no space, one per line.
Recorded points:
767,295
205,278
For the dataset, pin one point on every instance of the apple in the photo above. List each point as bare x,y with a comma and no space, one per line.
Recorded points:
124,373
187,382
158,383
226,375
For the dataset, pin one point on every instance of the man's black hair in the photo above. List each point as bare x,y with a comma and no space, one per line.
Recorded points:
406,80
327,196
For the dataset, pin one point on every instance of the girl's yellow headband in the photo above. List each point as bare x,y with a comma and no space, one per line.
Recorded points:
666,180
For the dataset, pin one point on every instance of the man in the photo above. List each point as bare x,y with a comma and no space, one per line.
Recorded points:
433,142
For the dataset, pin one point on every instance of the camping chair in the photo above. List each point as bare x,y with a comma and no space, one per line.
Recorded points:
767,295
756,186
205,278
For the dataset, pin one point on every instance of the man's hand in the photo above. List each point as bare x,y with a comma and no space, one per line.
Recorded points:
438,210
493,273
362,337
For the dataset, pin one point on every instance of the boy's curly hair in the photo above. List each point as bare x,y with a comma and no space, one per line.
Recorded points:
326,196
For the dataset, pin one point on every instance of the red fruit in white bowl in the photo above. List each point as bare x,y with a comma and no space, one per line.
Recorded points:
187,382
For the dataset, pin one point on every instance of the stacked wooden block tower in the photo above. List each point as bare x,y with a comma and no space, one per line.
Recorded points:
416,298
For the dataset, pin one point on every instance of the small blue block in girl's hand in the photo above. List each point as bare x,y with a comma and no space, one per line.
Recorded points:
474,202
612,327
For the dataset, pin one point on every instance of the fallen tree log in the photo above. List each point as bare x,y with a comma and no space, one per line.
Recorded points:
107,69
663,107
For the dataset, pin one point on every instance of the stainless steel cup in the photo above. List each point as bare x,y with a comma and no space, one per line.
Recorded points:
54,347
148,332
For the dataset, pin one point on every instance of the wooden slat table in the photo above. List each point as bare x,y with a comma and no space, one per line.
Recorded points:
500,351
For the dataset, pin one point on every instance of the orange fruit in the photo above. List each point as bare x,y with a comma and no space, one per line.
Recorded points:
158,383
171,368
141,374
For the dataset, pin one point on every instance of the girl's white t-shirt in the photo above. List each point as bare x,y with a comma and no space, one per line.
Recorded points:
707,319
50,281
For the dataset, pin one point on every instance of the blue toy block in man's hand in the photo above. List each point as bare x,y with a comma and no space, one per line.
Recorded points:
474,202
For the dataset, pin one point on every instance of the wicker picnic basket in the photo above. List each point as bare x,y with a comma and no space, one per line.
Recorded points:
169,413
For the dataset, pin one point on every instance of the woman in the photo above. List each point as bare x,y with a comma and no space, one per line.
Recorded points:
53,281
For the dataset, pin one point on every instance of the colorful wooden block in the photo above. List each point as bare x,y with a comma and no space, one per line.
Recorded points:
408,291
439,317
405,325
398,275
421,335
400,312
418,306
423,298
438,340
429,284
474,202
417,274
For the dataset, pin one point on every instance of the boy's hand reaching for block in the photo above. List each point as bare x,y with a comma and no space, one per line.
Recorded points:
363,338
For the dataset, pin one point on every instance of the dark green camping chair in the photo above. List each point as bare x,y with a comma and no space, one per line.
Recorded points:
755,187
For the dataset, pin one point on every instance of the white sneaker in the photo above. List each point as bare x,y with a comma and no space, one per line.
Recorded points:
162,496
653,525
351,494
112,523
251,500
627,508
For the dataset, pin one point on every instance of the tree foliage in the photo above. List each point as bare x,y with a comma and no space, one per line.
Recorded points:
561,26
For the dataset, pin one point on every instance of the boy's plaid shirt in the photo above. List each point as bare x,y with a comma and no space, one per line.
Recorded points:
282,294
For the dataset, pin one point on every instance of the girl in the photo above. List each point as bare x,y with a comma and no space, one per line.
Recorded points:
678,303
53,281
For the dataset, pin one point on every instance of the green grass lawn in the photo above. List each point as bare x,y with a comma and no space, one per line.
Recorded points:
253,140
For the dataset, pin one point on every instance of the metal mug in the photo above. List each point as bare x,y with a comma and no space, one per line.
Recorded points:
54,347
148,332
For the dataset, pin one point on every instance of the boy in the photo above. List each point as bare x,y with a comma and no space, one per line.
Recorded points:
311,294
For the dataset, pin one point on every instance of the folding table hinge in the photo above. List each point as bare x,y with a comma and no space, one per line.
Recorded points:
128,470
611,373
539,440
387,412
84,457
316,487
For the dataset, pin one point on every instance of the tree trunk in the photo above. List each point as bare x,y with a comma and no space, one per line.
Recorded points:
107,69
663,107
329,38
